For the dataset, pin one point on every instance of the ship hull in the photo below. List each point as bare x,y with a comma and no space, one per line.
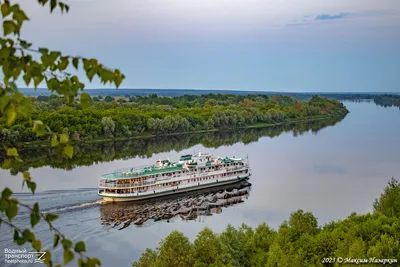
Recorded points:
121,198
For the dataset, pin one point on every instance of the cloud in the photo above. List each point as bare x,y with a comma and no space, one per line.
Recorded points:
331,17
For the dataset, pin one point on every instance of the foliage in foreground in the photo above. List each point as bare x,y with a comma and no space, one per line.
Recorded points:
20,61
298,241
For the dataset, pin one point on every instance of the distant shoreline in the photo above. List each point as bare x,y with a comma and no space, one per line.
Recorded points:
181,92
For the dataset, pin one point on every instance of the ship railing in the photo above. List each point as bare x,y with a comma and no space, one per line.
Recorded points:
169,188
134,169
117,185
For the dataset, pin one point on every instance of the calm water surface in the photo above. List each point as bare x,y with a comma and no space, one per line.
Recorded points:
336,171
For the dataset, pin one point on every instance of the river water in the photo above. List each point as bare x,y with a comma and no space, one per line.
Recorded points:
330,172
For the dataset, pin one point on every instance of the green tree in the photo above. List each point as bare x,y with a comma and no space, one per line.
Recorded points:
108,125
175,250
301,223
147,259
43,98
108,99
298,242
389,201
207,248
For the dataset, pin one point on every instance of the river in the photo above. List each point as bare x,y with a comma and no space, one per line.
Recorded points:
331,171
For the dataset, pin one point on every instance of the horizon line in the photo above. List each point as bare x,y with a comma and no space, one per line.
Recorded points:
238,90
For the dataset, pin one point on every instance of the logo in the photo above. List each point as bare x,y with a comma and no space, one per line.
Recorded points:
23,256
40,256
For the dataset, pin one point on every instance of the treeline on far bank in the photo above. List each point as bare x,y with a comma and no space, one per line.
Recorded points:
371,239
387,100
153,115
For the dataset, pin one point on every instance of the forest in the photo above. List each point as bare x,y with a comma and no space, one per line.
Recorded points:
108,119
371,239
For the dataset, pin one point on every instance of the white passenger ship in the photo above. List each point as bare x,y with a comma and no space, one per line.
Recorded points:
191,172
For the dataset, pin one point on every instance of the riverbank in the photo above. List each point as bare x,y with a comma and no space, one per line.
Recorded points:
41,143
88,153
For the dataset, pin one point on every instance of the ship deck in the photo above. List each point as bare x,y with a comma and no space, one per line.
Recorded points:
132,173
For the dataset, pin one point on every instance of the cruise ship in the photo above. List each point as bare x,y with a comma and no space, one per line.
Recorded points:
165,177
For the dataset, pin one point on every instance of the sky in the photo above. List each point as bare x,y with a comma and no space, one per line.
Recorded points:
266,45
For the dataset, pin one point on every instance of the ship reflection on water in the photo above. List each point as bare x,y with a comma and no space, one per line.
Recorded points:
185,206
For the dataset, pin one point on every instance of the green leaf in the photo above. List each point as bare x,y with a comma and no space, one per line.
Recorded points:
94,262
11,211
56,240
51,217
9,27
54,140
75,62
63,64
11,113
45,59
53,84
20,16
35,207
17,239
69,151
4,100
85,100
66,243
90,73
28,235
47,258
24,107
12,152
54,55
27,175
43,50
7,164
80,247
27,78
35,217
15,89
39,128
118,80
25,44
6,193
31,186
63,138
62,6
5,9
37,80
3,205
53,4
68,256
37,245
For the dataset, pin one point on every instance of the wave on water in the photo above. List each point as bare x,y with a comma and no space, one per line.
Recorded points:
60,201
75,207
